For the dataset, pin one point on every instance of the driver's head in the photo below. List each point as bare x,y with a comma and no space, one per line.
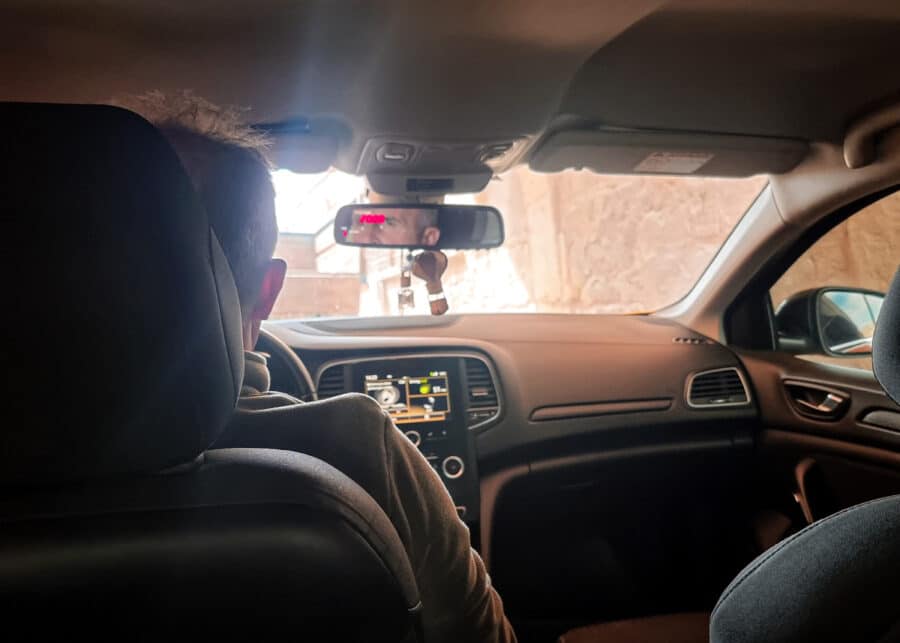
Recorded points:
225,159
409,227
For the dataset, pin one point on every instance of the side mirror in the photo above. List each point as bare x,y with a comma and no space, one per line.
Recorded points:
838,322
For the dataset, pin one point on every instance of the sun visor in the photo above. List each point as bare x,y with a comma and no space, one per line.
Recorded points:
304,153
668,153
305,146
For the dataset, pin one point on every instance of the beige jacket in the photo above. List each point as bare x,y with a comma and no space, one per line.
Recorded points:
353,434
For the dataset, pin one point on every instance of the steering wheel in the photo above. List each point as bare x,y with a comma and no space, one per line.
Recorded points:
285,364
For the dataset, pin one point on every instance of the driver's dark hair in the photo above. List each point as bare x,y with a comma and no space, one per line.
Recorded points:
226,161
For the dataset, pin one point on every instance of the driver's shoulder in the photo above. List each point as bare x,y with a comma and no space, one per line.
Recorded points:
349,432
355,408
352,422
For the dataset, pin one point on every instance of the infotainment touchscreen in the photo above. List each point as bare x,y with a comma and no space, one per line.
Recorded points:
411,398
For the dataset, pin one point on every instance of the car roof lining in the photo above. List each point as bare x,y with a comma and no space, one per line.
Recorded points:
470,71
776,74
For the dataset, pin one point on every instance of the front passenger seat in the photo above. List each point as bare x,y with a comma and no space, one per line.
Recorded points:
124,357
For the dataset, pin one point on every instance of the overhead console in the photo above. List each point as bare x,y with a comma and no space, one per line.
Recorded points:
401,166
437,399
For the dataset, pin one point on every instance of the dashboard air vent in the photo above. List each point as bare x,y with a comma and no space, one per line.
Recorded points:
480,387
721,387
332,382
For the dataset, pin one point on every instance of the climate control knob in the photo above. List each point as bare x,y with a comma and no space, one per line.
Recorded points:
415,437
453,466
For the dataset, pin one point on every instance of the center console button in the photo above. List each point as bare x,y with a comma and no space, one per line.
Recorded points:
453,466
415,437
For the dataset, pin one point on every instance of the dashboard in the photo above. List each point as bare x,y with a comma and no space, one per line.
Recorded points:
613,451
493,401
436,400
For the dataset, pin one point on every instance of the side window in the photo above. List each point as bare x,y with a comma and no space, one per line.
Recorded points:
827,302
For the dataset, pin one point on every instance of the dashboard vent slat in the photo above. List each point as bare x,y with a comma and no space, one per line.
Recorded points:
720,387
480,385
332,382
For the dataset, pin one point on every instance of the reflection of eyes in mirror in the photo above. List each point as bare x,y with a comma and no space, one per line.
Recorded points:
394,227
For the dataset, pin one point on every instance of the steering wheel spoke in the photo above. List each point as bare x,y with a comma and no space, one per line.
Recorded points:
302,381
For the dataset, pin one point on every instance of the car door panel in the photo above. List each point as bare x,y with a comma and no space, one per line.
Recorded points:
810,463
773,372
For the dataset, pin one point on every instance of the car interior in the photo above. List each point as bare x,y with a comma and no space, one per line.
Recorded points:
721,464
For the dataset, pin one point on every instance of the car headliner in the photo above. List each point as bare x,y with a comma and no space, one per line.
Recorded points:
470,70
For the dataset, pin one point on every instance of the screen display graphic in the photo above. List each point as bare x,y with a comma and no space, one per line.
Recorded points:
409,398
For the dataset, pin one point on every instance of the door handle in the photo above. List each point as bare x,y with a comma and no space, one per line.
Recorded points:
818,402
828,405
801,474
813,494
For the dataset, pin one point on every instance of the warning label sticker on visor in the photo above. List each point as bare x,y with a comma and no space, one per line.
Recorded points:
673,162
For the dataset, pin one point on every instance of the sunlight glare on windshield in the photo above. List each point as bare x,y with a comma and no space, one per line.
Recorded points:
576,243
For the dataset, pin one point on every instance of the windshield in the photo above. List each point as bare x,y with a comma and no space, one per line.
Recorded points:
576,243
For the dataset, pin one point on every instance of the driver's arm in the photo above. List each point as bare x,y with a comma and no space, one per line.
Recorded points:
458,600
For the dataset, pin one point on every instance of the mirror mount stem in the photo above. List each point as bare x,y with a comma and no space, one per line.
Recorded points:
406,296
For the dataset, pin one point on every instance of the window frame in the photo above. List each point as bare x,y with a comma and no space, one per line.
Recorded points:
749,321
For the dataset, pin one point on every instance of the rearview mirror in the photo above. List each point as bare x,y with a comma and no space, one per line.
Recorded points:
834,321
414,226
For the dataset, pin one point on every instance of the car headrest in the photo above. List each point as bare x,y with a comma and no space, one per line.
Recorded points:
121,319
886,343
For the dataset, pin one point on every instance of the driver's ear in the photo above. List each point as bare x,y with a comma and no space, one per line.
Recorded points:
430,236
271,287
